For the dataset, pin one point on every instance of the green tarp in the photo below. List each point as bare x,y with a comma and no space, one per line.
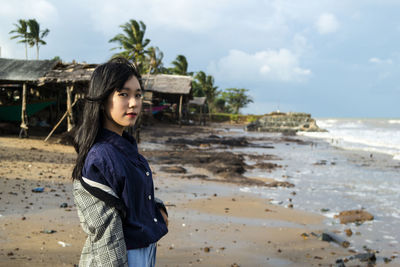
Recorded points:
13,113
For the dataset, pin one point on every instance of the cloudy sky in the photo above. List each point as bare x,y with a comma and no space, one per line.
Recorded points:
326,57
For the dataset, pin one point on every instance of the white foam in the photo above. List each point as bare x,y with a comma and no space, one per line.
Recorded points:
381,136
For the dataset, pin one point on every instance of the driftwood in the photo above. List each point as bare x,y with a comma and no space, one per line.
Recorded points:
59,122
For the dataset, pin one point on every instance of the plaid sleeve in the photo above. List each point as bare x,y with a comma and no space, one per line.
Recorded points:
105,244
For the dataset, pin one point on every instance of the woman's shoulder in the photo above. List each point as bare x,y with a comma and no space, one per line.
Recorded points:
101,152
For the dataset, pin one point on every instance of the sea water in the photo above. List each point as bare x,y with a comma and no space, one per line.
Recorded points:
340,170
373,135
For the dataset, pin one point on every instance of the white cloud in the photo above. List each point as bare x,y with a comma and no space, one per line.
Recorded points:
376,60
327,23
11,11
42,10
190,15
268,65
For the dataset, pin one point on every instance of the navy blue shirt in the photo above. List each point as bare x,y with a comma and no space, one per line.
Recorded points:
114,161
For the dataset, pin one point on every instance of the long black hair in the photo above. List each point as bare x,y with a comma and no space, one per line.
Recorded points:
105,79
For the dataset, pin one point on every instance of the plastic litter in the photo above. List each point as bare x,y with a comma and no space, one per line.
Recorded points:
38,190
63,244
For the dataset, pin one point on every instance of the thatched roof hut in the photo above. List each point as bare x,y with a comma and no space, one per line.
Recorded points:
18,71
168,84
67,74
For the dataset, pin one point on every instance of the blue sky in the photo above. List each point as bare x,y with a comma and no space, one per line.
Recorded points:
328,58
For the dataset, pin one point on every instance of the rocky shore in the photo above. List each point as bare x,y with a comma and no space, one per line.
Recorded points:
288,123
200,175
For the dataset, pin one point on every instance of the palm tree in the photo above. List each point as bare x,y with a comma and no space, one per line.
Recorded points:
36,35
132,42
21,30
206,83
154,60
180,66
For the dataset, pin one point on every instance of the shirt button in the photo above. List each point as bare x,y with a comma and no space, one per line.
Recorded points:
155,219
147,173
149,197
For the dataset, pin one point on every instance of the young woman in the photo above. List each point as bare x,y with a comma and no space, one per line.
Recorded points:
113,185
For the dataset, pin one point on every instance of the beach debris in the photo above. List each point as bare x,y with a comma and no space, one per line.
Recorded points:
38,190
280,184
234,265
265,165
331,237
305,236
173,169
64,205
207,249
48,231
23,218
63,244
324,210
10,254
290,206
386,260
356,216
363,257
240,141
320,162
348,232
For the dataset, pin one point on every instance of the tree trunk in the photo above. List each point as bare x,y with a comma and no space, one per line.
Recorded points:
24,118
26,51
180,110
37,51
70,118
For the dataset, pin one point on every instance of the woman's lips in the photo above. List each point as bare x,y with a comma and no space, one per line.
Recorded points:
131,115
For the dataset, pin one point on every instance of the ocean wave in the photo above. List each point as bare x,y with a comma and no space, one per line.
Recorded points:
394,121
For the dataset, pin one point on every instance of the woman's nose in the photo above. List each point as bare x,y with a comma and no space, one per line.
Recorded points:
132,102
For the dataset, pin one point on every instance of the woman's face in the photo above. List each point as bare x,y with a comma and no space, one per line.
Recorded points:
123,106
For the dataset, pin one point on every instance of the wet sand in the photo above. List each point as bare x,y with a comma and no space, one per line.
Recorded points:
212,223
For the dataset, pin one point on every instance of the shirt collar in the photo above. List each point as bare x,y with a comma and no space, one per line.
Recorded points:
126,143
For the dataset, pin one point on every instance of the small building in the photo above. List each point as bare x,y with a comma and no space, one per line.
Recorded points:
30,86
199,105
167,95
18,81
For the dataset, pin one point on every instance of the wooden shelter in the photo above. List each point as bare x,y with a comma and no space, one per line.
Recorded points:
16,76
63,84
74,78
168,93
199,103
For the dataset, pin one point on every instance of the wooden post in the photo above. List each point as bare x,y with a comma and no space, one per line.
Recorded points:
70,118
24,118
180,110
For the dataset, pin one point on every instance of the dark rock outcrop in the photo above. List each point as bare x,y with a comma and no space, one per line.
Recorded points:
287,123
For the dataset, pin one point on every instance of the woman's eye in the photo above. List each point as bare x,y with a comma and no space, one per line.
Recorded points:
123,94
138,95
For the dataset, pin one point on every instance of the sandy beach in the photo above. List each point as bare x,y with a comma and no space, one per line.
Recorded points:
214,221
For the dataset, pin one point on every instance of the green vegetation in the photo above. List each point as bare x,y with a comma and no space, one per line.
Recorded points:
149,60
29,32
21,32
133,43
36,35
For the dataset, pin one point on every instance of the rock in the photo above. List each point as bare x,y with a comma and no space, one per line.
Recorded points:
64,205
348,232
207,249
173,169
286,123
280,184
356,216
